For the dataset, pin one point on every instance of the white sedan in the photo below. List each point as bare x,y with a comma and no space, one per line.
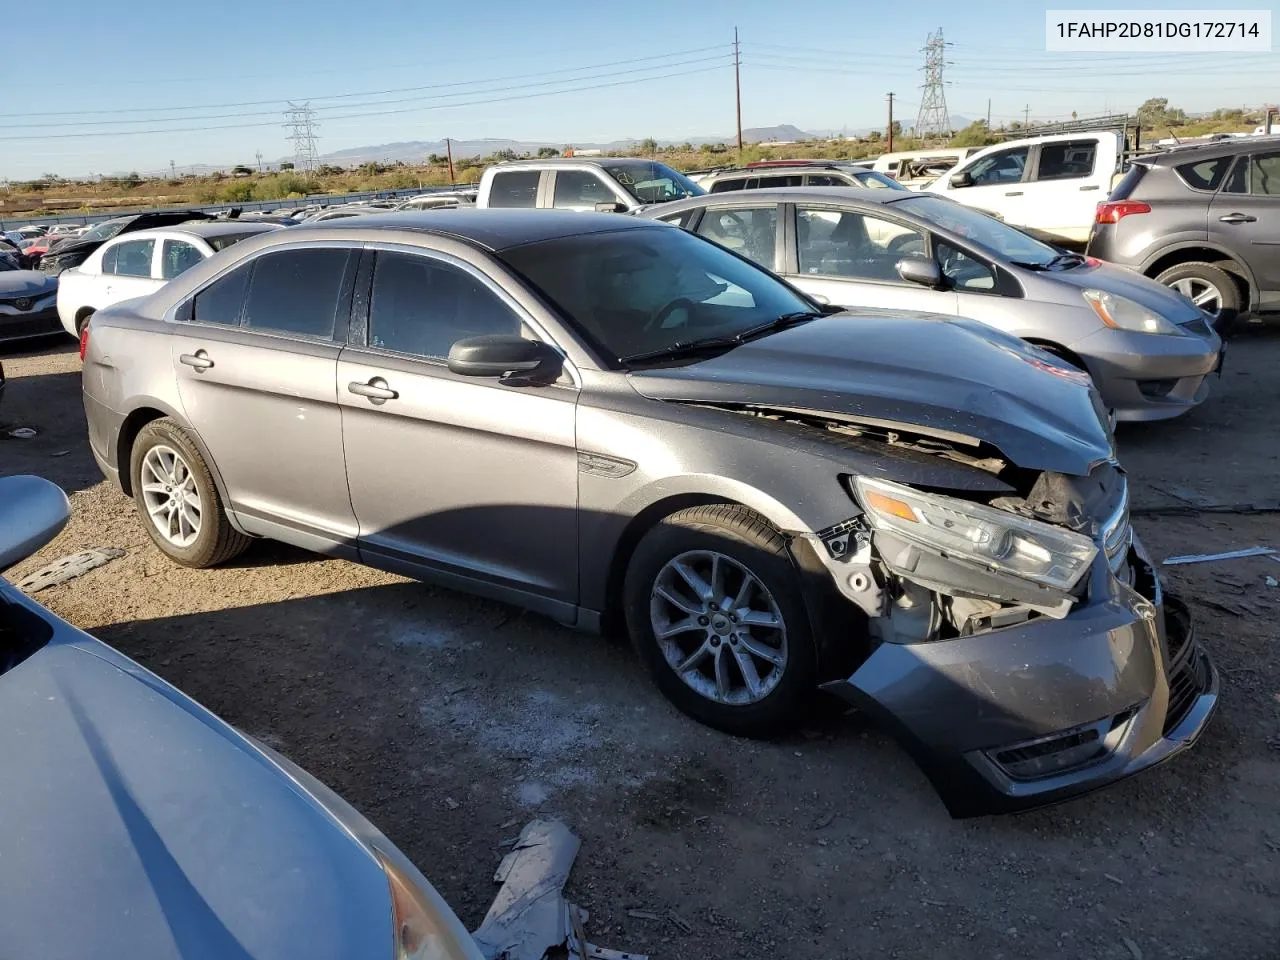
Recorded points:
137,264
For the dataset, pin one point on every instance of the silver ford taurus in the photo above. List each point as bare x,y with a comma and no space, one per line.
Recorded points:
615,422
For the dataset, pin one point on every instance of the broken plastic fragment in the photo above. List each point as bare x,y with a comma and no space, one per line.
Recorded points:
67,568
1229,555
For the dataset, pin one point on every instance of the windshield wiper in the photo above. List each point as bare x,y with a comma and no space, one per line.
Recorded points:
683,348
1066,258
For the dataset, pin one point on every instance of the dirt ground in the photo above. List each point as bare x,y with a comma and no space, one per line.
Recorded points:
451,721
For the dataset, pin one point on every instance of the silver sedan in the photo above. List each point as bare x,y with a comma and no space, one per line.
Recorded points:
1149,349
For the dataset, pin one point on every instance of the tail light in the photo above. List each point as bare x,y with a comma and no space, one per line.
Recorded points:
1113,211
84,340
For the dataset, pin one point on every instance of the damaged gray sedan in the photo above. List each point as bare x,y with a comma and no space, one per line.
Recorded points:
615,422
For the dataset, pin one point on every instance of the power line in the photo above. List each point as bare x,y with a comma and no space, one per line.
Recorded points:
933,120
300,121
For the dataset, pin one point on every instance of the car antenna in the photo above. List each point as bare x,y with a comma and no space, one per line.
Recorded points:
1176,141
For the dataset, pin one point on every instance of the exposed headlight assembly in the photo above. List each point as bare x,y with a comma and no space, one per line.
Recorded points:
420,931
1121,313
1001,542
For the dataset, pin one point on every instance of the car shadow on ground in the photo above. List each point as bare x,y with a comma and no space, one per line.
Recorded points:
43,429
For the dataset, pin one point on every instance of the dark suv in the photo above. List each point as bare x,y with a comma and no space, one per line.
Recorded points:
1205,220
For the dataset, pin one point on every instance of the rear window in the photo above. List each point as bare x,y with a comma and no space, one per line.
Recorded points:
728,186
226,240
1128,183
296,292
517,188
1204,174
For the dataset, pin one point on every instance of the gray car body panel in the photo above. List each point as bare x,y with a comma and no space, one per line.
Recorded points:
174,835
535,494
1048,311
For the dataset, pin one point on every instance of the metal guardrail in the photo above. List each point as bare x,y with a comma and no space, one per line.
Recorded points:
327,199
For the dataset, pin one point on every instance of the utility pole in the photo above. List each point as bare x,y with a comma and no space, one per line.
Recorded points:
988,113
173,171
737,83
258,155
1026,115
890,136
448,149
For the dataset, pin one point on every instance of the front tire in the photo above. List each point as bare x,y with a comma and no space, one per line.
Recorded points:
177,499
715,611
1211,288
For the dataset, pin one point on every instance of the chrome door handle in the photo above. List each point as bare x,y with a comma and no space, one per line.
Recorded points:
1014,193
1091,186
1238,218
376,390
200,360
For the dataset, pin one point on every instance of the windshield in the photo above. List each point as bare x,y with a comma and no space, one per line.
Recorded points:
652,182
876,180
105,230
983,231
638,291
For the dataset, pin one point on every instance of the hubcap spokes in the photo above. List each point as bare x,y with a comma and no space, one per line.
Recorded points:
718,627
1202,293
169,492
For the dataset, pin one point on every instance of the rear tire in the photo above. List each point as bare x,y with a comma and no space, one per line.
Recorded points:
742,658
1198,279
177,499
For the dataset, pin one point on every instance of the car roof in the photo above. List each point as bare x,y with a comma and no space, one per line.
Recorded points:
491,229
878,195
1181,153
201,228
613,161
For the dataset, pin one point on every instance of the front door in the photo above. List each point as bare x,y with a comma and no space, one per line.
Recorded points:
1244,217
850,258
473,480
127,272
256,363
997,185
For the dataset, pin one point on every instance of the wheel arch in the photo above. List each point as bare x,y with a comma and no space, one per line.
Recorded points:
1207,252
1058,350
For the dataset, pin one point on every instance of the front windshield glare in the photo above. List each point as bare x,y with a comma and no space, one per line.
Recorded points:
638,291
653,182
986,232
104,231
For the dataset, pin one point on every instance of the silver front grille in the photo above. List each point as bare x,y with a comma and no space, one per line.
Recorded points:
1116,534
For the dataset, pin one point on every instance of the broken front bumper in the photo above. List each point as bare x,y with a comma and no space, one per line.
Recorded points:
1028,715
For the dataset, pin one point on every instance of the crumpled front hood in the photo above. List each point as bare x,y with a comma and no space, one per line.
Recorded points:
1163,300
944,376
136,827
26,283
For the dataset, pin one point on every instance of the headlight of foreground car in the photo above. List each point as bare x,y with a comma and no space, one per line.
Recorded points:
417,933
992,538
1122,313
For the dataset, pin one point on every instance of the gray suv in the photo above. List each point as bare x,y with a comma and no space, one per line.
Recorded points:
1205,220
607,419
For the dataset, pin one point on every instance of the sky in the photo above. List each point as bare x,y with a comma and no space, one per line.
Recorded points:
118,88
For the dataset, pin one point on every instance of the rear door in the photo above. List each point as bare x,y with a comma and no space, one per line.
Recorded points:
128,270
748,229
1069,178
1244,217
514,189
463,477
850,257
255,354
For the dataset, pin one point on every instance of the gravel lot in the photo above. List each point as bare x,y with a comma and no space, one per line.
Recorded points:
451,721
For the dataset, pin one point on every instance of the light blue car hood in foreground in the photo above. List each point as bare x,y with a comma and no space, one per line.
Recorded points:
134,825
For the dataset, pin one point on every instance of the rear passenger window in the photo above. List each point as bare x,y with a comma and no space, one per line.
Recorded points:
220,302
177,256
1205,175
296,292
1067,161
751,232
727,186
826,180
516,188
423,306
580,190
788,180
1264,174
133,258
1238,181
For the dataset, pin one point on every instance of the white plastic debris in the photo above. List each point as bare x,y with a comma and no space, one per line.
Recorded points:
67,568
1230,555
23,433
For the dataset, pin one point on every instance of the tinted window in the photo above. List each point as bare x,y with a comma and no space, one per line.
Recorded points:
580,190
963,271
1204,175
841,243
517,188
1005,166
296,291
109,260
1238,181
423,306
635,290
770,181
825,180
133,258
749,231
1264,174
220,302
177,256
1068,160
726,186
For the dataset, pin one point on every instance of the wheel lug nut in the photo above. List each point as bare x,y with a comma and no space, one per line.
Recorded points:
715,606
733,639
703,621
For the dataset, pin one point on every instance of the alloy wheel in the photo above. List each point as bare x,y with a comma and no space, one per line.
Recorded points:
172,500
719,627
1202,293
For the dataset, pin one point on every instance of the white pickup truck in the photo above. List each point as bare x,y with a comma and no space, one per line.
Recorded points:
1049,186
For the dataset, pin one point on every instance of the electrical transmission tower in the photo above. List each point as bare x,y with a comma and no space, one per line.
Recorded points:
933,120
300,121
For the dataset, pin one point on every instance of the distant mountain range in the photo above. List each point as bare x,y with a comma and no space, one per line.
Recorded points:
417,151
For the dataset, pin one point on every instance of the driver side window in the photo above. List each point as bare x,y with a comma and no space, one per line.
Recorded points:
1004,166
842,243
963,271
749,231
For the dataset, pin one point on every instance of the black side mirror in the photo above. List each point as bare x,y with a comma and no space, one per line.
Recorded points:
920,270
614,207
961,179
507,357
